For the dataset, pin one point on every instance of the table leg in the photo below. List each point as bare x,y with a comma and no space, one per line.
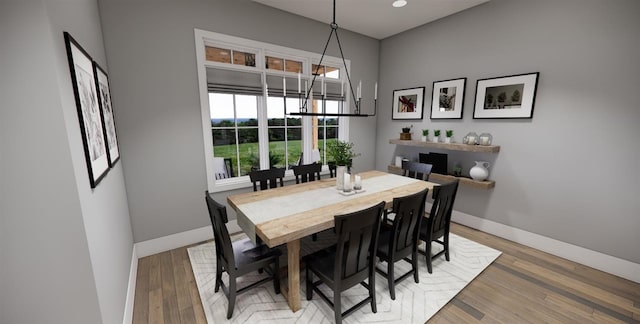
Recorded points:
293,258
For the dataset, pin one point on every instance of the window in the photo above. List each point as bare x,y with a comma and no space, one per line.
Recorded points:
242,85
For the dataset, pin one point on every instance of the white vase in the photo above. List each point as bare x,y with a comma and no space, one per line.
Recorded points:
424,138
480,171
340,170
447,139
435,139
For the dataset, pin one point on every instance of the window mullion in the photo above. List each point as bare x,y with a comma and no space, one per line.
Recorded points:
263,130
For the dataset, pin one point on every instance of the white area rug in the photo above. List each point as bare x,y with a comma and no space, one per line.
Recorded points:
415,303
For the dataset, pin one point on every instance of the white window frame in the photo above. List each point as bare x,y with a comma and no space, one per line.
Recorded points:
261,49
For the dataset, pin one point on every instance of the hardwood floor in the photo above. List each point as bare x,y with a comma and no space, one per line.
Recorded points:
523,285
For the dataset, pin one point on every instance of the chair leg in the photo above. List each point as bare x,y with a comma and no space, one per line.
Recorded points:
276,275
392,284
428,256
414,265
218,275
309,283
337,307
446,247
232,296
372,291
314,237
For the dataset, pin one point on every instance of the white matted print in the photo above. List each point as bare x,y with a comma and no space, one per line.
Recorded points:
408,103
506,97
448,98
91,127
106,109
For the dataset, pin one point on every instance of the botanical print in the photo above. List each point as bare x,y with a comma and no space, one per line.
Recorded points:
407,103
90,113
504,97
108,115
447,99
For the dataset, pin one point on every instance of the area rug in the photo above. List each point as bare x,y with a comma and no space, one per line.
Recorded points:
415,303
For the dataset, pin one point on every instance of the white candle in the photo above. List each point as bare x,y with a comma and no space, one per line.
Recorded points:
325,90
375,93
266,89
342,88
322,87
358,183
360,89
284,87
347,182
298,82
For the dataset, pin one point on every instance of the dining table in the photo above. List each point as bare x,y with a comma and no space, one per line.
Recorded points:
287,214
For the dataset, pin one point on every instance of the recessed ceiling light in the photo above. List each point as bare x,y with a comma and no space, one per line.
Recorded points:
399,3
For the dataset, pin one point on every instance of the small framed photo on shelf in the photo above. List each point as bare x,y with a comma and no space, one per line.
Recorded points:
408,103
506,97
86,97
448,98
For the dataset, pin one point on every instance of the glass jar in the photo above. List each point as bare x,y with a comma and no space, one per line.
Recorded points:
485,139
471,139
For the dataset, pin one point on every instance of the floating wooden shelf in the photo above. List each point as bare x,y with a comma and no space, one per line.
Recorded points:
437,177
449,146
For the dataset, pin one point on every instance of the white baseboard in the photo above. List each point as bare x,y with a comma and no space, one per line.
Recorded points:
174,241
597,260
131,289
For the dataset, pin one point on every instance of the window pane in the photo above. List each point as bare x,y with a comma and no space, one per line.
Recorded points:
246,108
277,147
221,109
293,66
217,54
319,69
294,145
274,63
249,151
332,72
224,148
242,58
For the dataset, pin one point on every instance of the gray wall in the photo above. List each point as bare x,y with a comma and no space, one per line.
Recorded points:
570,173
150,49
66,248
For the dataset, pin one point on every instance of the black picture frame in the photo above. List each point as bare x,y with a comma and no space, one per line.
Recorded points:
106,111
510,96
91,125
447,98
408,104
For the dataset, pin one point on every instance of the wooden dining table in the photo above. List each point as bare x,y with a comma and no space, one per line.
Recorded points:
285,215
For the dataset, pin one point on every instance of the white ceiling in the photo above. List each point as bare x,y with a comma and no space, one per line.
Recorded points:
374,18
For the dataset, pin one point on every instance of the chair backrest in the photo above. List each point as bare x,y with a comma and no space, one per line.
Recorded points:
409,211
439,219
416,170
267,179
219,219
307,172
357,243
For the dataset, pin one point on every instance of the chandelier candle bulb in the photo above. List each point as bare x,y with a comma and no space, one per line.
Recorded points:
266,89
298,82
284,87
342,88
375,92
322,87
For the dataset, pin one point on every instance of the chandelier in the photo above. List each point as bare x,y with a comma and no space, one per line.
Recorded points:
356,95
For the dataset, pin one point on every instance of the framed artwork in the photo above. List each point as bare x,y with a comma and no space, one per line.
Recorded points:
448,98
506,97
106,111
408,103
84,90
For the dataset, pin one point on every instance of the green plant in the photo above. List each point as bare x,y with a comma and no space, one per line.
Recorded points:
436,133
449,132
341,152
425,132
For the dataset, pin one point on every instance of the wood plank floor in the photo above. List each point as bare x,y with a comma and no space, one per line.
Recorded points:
523,285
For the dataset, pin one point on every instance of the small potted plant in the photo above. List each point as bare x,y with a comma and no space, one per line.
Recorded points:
425,135
341,153
436,136
406,133
449,134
